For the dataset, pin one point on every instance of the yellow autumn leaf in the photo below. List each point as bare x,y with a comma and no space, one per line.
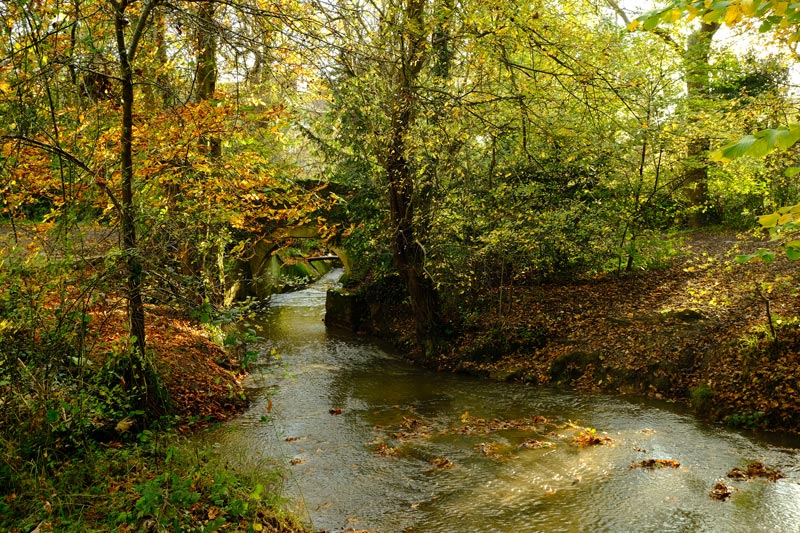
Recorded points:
633,25
779,8
733,15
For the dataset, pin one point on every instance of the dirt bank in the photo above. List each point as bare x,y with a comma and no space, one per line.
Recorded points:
695,332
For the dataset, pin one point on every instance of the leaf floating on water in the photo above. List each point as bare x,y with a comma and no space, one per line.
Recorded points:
656,463
489,449
298,461
473,425
754,470
589,437
411,424
383,450
412,428
720,492
335,411
441,463
534,444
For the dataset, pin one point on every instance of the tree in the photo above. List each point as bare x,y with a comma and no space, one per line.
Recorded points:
97,120
784,19
139,373
695,57
409,252
386,54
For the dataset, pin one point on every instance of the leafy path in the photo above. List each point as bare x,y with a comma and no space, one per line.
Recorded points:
697,330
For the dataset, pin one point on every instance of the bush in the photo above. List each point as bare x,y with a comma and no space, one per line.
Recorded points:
702,399
158,483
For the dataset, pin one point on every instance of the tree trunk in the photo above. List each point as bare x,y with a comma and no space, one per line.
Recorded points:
698,49
408,252
137,373
207,67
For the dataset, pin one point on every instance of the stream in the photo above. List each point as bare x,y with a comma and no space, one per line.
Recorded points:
371,442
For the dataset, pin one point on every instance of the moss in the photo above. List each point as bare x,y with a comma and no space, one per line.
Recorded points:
572,365
702,397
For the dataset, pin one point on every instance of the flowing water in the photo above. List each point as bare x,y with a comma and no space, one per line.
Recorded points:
361,433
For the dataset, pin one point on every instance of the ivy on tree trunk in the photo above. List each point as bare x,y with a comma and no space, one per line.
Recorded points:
408,252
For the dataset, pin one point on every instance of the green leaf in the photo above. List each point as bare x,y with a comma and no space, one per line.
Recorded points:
761,147
735,150
787,136
767,256
769,221
257,492
791,172
715,15
793,252
652,21
760,144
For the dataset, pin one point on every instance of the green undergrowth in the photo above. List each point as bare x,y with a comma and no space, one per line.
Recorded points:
157,482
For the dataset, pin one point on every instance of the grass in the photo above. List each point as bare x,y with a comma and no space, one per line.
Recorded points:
157,482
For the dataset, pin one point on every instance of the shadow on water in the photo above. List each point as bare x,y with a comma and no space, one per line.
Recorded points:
372,442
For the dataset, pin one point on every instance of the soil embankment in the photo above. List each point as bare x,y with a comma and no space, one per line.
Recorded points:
697,331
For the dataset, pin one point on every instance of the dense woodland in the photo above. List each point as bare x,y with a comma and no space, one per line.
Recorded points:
458,151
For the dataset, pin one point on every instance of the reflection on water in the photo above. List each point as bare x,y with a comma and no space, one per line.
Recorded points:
336,399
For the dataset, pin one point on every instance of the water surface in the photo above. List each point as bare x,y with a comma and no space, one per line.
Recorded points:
329,406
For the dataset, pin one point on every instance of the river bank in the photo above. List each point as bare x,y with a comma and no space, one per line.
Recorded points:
153,479
695,332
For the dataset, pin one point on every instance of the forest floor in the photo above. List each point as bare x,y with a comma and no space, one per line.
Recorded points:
696,331
202,381
117,479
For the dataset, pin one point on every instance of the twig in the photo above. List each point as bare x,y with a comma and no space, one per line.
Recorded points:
766,301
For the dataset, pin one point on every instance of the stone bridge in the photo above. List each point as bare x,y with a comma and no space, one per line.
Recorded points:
268,271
